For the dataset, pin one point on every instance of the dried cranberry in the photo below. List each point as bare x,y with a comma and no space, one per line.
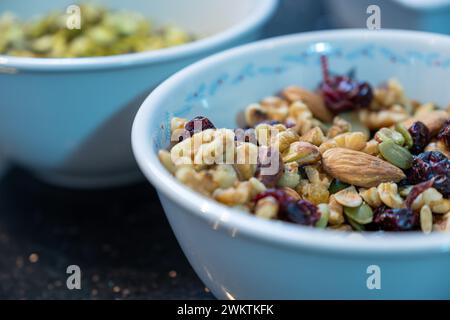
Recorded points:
420,135
301,212
431,165
388,219
198,124
442,184
282,197
417,190
444,134
342,93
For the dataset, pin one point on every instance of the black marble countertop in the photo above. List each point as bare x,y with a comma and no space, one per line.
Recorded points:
119,238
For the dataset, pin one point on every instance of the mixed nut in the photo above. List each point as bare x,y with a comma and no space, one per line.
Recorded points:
102,32
346,157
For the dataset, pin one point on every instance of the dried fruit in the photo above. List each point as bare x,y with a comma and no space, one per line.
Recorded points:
301,212
342,93
297,211
444,134
395,219
420,135
362,214
433,120
431,165
416,191
395,154
198,124
358,168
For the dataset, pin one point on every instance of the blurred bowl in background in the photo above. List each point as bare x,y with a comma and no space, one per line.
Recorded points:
423,15
69,120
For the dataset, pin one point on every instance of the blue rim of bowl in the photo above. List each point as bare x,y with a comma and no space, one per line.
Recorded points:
274,232
260,15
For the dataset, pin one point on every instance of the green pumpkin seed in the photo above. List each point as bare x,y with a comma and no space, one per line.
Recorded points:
386,134
324,214
395,154
361,215
337,185
356,226
405,133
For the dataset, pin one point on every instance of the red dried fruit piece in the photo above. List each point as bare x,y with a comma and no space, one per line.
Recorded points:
416,191
282,197
301,212
342,93
444,134
198,124
431,165
388,219
420,135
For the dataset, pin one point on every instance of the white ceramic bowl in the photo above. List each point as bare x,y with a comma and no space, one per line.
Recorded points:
69,120
240,256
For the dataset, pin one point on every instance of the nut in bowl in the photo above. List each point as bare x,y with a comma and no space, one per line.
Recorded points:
241,256
67,115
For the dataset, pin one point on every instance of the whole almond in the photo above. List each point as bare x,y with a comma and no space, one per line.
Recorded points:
434,120
313,100
359,169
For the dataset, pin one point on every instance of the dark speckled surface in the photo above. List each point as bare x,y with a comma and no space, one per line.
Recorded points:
119,238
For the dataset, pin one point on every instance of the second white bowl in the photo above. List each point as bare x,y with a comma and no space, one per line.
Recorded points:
69,120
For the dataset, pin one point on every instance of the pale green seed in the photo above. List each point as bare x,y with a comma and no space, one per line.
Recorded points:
324,215
361,215
406,135
386,134
356,226
395,154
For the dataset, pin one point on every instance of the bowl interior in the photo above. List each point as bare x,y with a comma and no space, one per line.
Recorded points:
223,86
201,17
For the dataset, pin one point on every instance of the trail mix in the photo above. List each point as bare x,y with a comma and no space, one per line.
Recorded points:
102,32
346,157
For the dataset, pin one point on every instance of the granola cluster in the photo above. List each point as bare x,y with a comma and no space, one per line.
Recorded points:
362,159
